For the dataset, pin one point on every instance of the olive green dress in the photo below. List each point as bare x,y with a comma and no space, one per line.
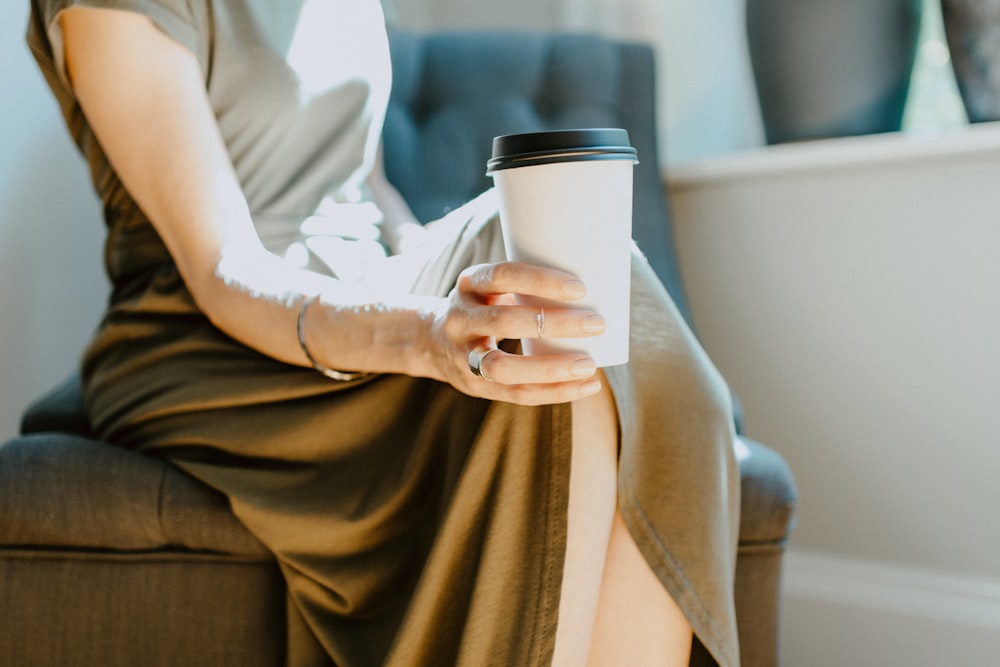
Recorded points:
414,525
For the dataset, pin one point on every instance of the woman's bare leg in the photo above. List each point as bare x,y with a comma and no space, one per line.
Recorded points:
638,623
613,610
592,497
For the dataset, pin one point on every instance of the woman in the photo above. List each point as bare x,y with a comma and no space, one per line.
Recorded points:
419,491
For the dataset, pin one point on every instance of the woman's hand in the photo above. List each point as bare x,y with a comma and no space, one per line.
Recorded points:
482,309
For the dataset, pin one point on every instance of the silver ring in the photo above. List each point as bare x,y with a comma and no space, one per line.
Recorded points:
476,358
540,321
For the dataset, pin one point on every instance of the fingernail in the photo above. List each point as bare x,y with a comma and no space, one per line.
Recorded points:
574,289
593,324
591,387
584,367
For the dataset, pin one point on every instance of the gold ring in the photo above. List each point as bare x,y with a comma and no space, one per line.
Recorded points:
476,358
540,321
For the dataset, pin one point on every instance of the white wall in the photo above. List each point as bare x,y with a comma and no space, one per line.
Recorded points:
51,282
848,291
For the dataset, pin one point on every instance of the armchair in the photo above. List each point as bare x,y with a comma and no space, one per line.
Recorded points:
109,557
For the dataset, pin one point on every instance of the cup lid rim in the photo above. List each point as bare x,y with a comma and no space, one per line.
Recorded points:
518,149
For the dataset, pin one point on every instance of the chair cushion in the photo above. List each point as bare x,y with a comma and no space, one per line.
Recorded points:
110,498
59,490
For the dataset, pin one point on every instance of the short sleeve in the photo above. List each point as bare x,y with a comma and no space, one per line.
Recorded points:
177,18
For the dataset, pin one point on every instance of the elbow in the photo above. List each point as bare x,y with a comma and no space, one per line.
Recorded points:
206,284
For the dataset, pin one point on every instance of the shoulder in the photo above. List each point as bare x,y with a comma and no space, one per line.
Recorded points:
186,21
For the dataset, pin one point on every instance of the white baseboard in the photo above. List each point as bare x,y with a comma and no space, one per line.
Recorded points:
843,611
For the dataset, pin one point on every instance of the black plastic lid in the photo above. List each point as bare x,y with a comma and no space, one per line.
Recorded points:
533,148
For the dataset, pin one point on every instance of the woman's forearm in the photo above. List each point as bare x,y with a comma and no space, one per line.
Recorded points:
257,298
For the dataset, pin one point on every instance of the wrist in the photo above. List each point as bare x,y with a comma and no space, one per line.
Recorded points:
426,355
394,336
333,374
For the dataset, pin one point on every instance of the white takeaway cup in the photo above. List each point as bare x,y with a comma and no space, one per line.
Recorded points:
566,203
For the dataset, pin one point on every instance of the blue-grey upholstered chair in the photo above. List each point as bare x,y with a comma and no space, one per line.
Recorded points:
109,557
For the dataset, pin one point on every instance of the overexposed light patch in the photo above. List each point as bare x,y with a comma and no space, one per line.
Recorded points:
349,260
333,44
264,275
297,255
352,221
741,449
935,52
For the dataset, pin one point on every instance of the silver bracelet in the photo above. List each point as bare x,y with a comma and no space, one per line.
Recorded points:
340,376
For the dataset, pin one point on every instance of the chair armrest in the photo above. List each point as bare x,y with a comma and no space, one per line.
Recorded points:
768,494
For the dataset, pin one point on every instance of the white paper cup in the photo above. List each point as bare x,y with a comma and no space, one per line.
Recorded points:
566,203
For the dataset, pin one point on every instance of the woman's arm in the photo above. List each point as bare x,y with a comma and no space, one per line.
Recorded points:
145,100
143,96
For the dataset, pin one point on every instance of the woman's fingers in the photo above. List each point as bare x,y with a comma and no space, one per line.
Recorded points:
503,321
484,308
495,365
488,308
520,278
533,394
498,375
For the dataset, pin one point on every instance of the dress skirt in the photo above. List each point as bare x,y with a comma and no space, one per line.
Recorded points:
415,525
